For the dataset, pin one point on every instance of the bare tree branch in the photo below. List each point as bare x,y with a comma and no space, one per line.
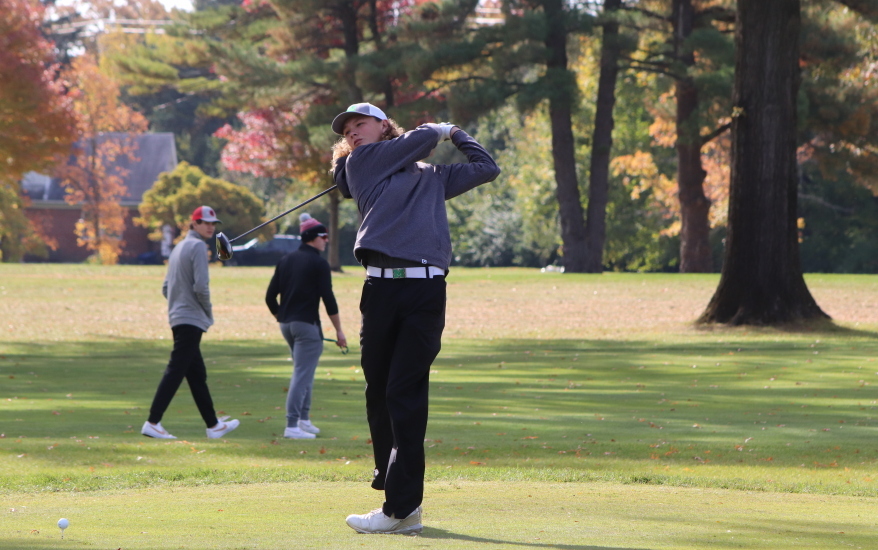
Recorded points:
707,138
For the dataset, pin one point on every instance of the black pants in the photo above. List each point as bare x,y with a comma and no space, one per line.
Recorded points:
400,337
186,362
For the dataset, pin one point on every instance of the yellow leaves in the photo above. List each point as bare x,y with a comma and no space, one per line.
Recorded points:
641,175
663,132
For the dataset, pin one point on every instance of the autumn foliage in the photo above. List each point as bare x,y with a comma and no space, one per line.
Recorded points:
176,194
92,179
270,143
35,117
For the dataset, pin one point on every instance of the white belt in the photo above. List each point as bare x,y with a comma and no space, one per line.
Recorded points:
426,272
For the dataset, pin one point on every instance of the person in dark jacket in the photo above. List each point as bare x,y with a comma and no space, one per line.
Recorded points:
190,313
301,279
405,244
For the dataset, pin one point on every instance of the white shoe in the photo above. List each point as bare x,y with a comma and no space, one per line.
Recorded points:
375,522
222,428
306,426
297,433
155,431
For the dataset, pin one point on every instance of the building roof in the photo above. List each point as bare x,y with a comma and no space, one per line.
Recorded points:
156,153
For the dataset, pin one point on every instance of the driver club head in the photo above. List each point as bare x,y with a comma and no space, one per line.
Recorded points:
223,247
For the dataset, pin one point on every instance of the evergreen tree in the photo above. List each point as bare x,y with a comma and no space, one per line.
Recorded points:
602,139
686,41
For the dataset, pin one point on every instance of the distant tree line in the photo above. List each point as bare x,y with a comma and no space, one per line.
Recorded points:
612,119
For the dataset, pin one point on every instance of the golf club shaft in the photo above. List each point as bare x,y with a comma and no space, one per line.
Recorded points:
260,226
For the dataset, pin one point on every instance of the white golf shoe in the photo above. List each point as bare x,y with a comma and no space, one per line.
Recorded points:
222,428
156,431
375,522
306,426
297,433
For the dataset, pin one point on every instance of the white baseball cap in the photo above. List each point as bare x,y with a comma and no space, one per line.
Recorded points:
357,109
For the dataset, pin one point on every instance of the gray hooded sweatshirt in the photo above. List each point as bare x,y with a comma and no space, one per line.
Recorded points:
187,284
402,201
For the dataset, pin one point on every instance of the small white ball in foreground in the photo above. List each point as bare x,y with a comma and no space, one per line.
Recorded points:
63,523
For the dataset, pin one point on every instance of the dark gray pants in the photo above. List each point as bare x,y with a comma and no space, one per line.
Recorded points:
401,335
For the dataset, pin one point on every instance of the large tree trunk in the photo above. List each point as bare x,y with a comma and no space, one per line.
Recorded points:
347,12
695,255
602,142
560,114
761,281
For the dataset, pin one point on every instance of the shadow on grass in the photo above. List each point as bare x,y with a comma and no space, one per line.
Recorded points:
442,534
825,327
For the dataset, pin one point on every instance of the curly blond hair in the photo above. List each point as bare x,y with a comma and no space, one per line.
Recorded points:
342,149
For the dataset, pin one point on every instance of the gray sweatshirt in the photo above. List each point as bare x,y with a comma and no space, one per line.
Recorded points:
187,284
402,201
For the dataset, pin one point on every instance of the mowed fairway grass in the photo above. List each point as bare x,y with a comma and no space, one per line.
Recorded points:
567,411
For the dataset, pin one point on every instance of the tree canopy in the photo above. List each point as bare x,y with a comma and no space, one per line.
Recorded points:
176,194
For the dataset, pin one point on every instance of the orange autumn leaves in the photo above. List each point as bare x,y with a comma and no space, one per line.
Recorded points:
642,177
94,179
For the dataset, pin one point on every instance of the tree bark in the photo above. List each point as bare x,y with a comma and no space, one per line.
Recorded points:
695,254
761,281
347,14
602,142
560,114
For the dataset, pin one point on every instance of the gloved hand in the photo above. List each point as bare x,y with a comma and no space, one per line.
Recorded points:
445,130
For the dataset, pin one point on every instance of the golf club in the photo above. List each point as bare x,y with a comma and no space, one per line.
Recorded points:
224,244
344,349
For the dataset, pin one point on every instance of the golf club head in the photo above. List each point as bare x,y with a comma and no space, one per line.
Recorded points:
223,247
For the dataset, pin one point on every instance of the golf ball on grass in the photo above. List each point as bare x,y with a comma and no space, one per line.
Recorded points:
63,523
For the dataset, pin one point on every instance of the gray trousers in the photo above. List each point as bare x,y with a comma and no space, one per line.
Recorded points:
306,345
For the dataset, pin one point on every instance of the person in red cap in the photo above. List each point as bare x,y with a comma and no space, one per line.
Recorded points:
301,279
187,288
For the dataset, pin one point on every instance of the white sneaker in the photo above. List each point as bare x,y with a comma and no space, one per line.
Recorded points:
375,522
297,433
222,428
155,431
306,426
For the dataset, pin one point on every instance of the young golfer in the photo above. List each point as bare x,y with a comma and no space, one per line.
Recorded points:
301,279
405,245
187,288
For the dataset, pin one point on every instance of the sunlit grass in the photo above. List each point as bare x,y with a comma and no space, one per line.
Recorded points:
589,404
742,408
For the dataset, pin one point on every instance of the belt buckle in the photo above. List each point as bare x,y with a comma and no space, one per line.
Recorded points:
399,273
